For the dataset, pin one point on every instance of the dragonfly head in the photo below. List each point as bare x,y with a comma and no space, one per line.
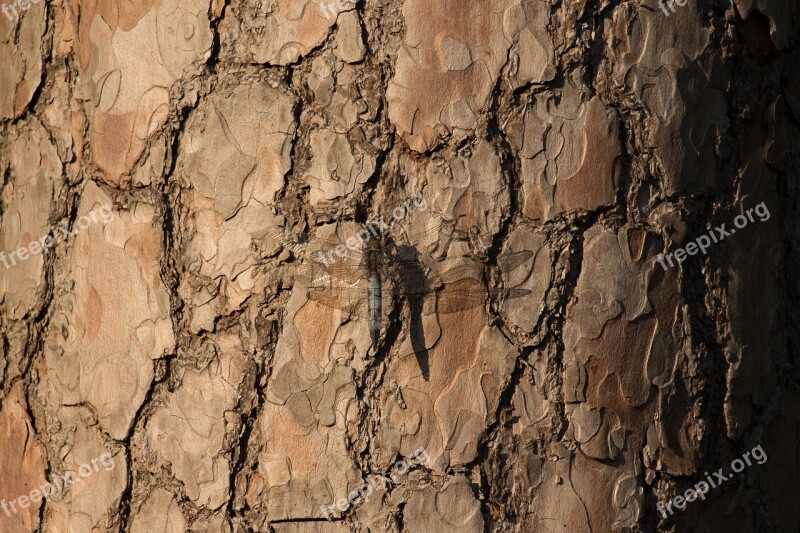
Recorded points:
374,245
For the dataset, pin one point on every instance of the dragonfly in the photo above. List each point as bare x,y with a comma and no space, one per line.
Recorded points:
406,267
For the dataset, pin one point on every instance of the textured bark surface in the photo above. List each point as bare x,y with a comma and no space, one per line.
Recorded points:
230,138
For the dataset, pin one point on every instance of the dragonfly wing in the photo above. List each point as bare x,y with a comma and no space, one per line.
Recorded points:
318,275
467,294
474,269
336,285
512,260
348,299
334,248
459,296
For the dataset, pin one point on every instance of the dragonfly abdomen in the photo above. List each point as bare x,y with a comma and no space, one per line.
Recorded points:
374,305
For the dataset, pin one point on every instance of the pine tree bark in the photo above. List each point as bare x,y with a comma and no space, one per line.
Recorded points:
168,165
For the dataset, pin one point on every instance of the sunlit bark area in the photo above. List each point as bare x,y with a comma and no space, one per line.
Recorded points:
582,218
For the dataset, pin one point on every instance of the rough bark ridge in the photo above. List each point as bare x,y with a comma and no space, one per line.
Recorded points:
228,139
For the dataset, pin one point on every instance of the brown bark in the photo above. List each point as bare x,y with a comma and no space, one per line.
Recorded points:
228,141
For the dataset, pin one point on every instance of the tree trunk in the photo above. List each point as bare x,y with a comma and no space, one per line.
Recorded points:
606,336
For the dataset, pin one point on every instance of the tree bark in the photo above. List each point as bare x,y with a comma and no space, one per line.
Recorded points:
171,168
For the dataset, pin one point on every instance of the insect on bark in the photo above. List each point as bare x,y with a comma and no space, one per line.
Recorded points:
399,268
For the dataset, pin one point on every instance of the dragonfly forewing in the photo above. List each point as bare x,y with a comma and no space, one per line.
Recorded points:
335,249
461,287
468,294
344,285
339,286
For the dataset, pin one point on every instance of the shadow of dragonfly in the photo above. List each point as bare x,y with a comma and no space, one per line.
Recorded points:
400,266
